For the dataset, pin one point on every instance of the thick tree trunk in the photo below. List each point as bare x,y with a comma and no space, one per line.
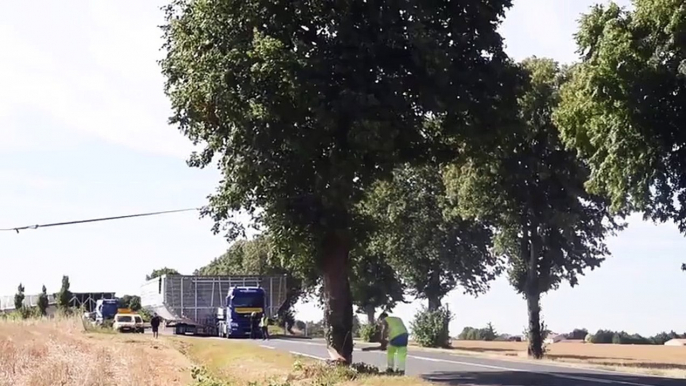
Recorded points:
371,314
338,306
434,302
433,290
533,297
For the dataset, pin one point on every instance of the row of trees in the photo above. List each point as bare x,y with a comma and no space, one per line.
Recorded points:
382,146
63,297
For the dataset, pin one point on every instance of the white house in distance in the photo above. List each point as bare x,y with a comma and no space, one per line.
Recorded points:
554,338
676,342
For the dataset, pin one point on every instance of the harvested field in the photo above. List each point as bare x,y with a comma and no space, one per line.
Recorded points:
666,360
60,352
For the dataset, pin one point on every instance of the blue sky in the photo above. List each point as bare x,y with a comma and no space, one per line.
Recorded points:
84,135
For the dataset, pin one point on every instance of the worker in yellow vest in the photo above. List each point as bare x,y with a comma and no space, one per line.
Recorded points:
394,332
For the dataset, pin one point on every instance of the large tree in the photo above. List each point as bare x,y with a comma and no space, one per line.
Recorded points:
624,109
304,104
433,250
374,283
532,189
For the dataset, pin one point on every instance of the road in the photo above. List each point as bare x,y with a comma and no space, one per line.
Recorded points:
450,369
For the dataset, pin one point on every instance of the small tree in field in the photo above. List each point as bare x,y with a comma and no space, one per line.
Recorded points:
19,298
64,296
43,302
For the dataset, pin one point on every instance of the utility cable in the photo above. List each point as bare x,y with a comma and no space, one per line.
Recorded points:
17,229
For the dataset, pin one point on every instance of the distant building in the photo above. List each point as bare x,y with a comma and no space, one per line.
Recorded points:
676,342
554,338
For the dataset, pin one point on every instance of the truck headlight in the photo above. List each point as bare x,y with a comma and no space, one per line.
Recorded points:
234,324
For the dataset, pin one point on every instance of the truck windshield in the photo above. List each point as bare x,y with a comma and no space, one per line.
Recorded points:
252,301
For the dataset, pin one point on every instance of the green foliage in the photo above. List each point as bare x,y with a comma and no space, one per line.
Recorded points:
373,282
43,301
64,296
19,298
623,108
430,328
301,126
162,271
130,301
622,337
446,250
201,377
370,332
487,333
531,188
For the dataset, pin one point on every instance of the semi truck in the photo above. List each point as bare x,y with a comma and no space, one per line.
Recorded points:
201,305
105,309
240,303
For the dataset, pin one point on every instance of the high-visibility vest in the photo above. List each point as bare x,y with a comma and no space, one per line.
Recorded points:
264,322
396,327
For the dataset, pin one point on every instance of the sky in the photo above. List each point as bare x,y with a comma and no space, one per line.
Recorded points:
83,134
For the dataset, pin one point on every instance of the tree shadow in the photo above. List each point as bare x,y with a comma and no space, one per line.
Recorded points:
485,349
566,378
561,357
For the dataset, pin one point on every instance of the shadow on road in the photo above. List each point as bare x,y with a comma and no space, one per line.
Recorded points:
486,349
520,378
290,337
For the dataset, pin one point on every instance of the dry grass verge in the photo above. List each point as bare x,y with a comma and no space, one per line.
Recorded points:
229,362
59,352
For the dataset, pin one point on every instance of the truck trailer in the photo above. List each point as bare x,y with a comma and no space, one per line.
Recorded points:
197,305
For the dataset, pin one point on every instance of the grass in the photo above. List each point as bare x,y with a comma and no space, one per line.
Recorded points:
230,362
65,351
59,352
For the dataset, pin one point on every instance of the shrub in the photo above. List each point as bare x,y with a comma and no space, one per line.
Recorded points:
43,301
19,298
430,328
370,332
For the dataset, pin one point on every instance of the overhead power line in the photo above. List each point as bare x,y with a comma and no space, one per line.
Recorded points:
17,229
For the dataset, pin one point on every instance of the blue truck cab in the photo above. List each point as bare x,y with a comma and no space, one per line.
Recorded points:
105,309
240,303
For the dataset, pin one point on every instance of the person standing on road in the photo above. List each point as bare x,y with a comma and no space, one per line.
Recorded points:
254,325
155,325
264,326
394,332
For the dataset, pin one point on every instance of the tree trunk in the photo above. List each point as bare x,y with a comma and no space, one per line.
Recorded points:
371,314
533,297
433,290
338,306
434,302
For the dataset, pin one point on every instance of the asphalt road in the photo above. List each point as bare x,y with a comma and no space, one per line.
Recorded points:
449,369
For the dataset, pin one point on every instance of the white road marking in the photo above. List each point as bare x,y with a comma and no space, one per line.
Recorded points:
564,376
269,347
308,355
554,365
